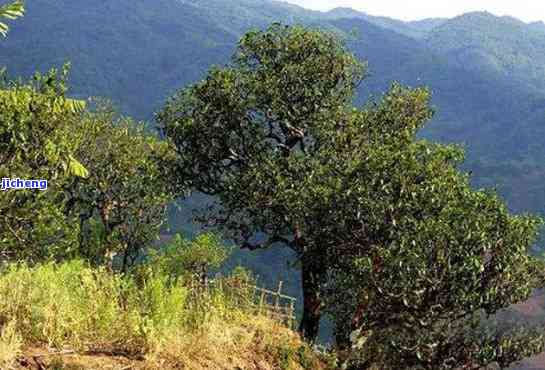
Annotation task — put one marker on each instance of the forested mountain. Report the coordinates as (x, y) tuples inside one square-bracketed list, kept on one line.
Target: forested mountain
[(490, 44), (486, 73)]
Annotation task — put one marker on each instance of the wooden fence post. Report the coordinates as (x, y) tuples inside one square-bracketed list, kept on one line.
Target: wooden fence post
[(291, 314), (261, 300), (277, 303)]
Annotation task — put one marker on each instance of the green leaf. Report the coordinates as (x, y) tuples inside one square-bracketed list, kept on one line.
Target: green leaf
[(76, 168), (76, 106), (10, 11)]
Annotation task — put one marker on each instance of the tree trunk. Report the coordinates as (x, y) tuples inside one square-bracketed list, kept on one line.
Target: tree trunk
[(310, 323), (342, 336)]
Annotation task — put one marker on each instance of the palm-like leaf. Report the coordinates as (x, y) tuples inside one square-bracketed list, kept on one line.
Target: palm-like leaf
[(10, 11)]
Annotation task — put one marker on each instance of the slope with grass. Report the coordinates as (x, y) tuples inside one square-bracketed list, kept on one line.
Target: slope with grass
[(73, 316)]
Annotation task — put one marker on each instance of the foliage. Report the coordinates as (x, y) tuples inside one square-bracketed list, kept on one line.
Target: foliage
[(420, 257), (121, 206), (111, 203), (369, 208), (189, 259), (497, 116), (36, 122), (271, 112), (10, 11)]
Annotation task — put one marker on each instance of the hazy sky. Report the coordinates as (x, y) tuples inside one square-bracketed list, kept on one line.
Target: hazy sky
[(527, 10)]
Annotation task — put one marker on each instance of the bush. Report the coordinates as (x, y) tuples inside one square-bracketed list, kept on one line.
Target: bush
[(188, 259)]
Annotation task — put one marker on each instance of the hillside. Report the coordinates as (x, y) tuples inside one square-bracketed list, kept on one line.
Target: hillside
[(487, 74), (490, 44), (415, 29), (71, 316), (140, 52)]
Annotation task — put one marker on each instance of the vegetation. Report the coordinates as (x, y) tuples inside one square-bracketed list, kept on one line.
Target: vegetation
[(385, 226), (112, 203), (152, 318), (121, 207), (498, 117), (271, 114), (408, 261), (35, 125)]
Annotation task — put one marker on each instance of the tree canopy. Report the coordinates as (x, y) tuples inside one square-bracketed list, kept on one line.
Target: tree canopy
[(370, 209), (107, 177)]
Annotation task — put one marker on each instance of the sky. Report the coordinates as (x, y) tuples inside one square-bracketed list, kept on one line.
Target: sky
[(526, 10)]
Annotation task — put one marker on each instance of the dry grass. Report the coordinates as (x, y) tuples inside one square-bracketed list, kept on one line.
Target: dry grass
[(253, 342), (10, 346), (114, 322)]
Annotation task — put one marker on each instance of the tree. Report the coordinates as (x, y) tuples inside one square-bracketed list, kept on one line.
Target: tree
[(417, 260), (114, 204), (12, 10), (247, 132), (356, 195), (191, 260), (35, 143), (121, 207)]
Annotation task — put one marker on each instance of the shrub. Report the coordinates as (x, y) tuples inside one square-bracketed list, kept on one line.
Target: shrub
[(188, 259)]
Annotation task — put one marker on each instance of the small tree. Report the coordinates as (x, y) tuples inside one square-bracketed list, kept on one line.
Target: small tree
[(121, 207), (36, 121), (113, 205), (189, 259)]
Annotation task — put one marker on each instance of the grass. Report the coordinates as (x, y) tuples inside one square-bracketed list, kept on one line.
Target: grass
[(146, 316), (10, 346)]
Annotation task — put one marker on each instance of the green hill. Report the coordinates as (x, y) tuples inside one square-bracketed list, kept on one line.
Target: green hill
[(139, 52), (488, 44), (487, 73)]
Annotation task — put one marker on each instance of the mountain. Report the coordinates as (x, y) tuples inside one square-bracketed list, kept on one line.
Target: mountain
[(486, 73), (415, 29), (490, 44), (537, 26)]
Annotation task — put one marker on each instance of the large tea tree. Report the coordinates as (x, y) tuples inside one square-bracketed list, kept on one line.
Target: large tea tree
[(249, 131), (275, 138)]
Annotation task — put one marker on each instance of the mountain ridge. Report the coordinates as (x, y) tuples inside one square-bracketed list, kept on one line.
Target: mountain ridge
[(140, 52)]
